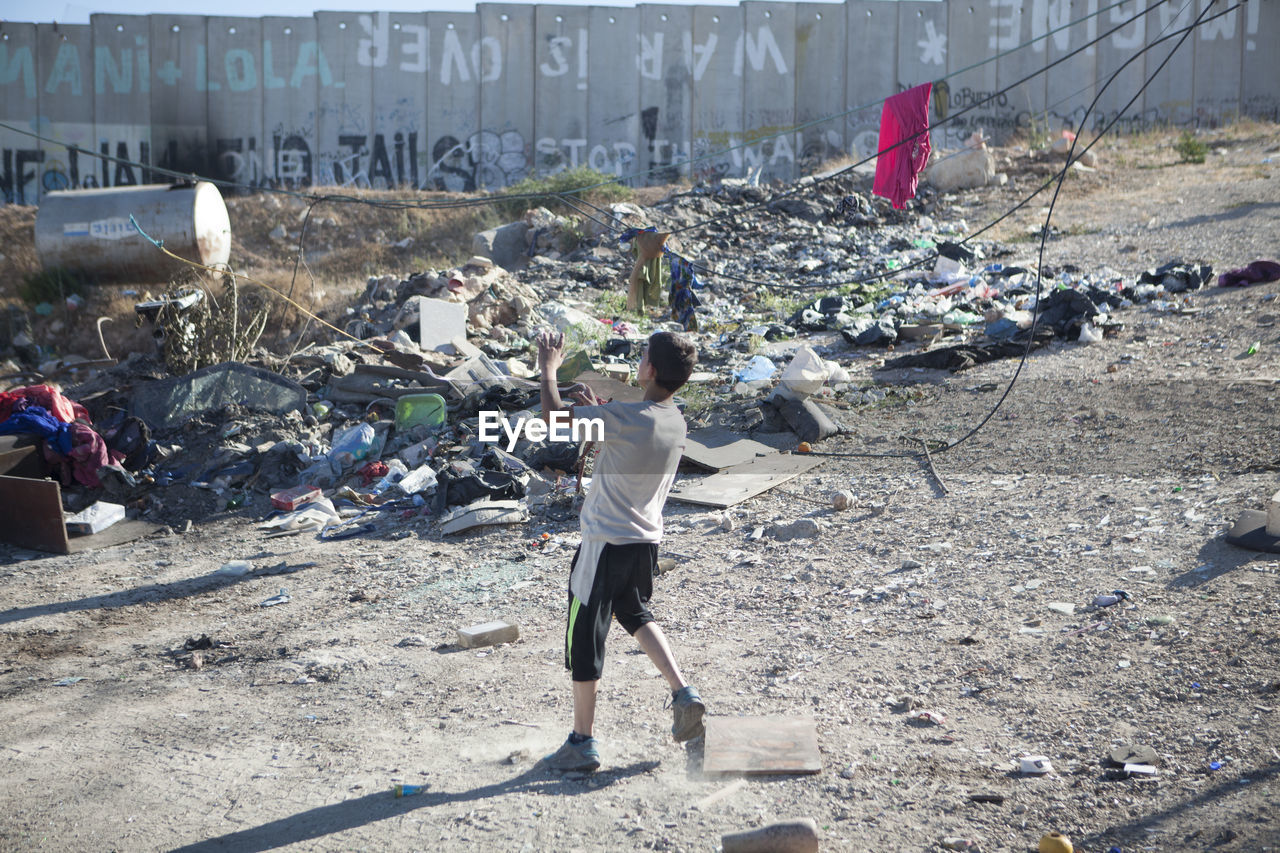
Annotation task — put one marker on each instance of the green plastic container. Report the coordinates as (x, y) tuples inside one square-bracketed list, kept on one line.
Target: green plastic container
[(420, 410)]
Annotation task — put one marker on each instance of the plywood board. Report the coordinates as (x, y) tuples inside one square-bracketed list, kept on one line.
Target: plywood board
[(39, 524), (755, 746), (717, 448), (732, 486)]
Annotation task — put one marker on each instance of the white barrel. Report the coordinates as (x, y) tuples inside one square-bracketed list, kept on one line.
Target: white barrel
[(89, 231)]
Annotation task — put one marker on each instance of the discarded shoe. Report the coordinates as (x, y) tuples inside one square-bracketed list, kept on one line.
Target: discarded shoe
[(571, 757), (686, 711)]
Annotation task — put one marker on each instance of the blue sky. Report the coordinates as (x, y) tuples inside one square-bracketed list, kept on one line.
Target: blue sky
[(41, 11)]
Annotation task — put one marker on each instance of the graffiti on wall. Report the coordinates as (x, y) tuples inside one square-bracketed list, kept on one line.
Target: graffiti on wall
[(348, 139)]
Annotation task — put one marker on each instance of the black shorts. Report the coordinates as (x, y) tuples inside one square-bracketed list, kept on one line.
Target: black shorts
[(623, 585)]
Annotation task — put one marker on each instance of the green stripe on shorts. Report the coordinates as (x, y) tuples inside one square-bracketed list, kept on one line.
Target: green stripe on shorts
[(568, 637)]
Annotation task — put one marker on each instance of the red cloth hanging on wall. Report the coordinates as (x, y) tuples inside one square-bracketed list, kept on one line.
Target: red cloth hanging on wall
[(903, 117)]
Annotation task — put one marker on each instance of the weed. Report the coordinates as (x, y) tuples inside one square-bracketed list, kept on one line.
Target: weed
[(52, 286), (1190, 149), (546, 190)]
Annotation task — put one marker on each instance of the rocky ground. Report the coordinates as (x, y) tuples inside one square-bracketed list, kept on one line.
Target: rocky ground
[(149, 703)]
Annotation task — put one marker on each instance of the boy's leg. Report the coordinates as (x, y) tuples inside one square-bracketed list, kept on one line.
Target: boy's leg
[(654, 643), (584, 707)]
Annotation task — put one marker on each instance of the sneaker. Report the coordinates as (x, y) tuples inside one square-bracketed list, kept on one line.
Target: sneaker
[(571, 757), (686, 711)]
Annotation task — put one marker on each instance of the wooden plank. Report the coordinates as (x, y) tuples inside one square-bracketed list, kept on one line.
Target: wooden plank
[(754, 746), (734, 485), (39, 523)]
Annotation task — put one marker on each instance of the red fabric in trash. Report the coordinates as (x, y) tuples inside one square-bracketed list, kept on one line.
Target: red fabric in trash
[(903, 117), (7, 401), (89, 452), (51, 400)]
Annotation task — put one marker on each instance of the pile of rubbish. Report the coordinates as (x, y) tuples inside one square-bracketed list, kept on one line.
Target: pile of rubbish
[(384, 427)]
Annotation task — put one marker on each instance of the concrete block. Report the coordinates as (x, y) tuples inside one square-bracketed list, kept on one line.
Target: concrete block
[(488, 634), (504, 245), (439, 323)]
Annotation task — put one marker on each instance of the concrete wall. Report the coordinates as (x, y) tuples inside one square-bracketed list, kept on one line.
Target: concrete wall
[(464, 101)]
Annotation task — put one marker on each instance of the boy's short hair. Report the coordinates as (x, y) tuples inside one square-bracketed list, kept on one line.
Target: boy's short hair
[(673, 358)]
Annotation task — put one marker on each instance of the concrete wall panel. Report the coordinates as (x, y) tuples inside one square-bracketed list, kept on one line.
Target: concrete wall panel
[(20, 76), (238, 150), (179, 86), (717, 113), (453, 99), (666, 91), (562, 57), (459, 101), (394, 46), (613, 95), (291, 74), (872, 71), (1113, 51), (1260, 74), (769, 88), (962, 94), (1218, 58), (1169, 97), (506, 93), (122, 98), (1071, 85), (820, 69), (1024, 102), (344, 119), (65, 67)]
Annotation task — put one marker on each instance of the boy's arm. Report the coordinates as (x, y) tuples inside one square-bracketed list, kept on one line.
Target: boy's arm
[(550, 357)]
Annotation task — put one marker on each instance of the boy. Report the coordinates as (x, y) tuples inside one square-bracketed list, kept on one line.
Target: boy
[(612, 573)]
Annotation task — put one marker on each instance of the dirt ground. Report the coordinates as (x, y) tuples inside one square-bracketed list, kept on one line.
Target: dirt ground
[(1115, 465)]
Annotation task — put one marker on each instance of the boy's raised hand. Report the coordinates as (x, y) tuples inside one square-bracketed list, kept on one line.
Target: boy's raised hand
[(550, 351)]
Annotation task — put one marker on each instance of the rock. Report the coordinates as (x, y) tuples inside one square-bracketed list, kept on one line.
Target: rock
[(801, 208), (801, 528), (488, 634), (278, 233), (841, 500), (970, 167), (506, 245), (794, 836)]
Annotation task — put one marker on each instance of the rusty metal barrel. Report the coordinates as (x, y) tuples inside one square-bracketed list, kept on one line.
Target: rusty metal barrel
[(88, 231)]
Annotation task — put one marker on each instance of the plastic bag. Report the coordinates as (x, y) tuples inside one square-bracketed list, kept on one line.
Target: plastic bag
[(804, 376)]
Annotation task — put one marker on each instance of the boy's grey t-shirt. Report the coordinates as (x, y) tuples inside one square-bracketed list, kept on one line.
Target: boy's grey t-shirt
[(634, 470)]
